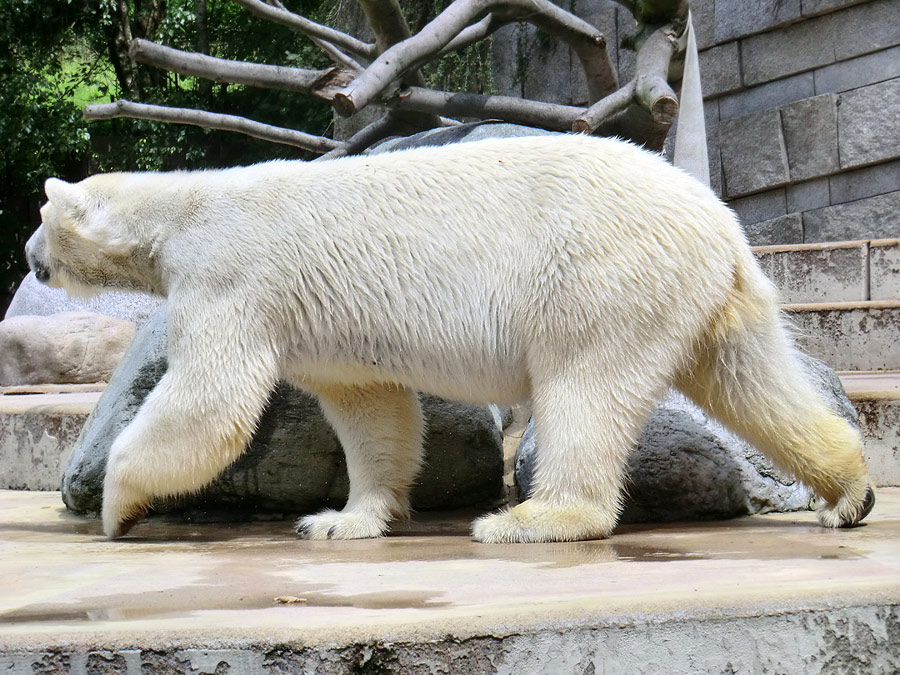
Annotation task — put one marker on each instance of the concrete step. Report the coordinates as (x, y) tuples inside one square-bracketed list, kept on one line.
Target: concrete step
[(849, 335), (764, 594), (876, 396), (848, 271), (38, 429)]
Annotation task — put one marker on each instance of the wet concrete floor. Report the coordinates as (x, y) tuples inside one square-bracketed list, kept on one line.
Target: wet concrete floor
[(166, 583)]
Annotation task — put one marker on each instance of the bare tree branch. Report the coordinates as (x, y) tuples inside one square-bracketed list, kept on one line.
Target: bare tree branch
[(318, 83), (481, 106), (324, 84), (643, 109), (311, 29), (387, 21), (477, 31), (589, 44), (604, 109), (209, 120), (652, 88)]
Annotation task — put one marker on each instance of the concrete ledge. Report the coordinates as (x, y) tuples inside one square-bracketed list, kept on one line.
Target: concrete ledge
[(841, 306), (845, 271), (849, 335), (770, 593), (38, 432), (876, 396)]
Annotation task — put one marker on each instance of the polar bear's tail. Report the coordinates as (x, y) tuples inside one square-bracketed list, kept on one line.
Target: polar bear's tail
[(746, 373)]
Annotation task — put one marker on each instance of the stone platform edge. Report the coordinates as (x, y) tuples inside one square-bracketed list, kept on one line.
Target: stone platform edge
[(801, 639)]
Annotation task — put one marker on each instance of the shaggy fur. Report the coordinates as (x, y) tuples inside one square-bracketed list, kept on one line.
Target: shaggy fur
[(582, 274)]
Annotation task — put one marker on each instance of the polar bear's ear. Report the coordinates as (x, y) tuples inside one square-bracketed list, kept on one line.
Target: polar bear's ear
[(64, 195)]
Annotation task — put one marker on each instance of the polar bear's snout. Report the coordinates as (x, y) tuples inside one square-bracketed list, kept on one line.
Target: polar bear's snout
[(35, 254)]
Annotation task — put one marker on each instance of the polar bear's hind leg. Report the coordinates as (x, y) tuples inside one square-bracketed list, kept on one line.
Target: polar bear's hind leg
[(586, 425), (746, 373), (380, 428)]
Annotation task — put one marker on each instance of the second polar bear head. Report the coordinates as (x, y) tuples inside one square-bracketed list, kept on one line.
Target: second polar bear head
[(81, 246)]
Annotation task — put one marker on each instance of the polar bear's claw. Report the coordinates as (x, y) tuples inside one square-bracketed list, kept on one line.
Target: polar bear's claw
[(332, 524), (115, 527)]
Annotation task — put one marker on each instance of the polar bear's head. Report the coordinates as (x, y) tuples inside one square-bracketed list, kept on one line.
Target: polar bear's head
[(78, 246)]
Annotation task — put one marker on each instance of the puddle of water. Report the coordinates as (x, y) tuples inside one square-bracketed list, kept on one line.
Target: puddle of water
[(170, 605)]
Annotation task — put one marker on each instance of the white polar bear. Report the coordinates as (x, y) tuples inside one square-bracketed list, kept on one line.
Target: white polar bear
[(582, 274)]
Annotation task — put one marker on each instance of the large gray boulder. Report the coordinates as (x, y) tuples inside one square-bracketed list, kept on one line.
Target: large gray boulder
[(37, 299), (294, 462), (65, 348), (461, 133), (687, 466)]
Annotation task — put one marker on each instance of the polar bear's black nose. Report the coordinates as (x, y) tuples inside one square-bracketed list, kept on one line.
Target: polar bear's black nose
[(41, 272), (34, 254)]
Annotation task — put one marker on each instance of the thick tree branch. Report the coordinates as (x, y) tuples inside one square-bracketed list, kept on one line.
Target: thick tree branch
[(384, 126), (387, 21), (352, 46), (208, 120), (589, 44), (324, 84), (605, 108), (476, 32), (652, 88), (480, 106), (319, 83)]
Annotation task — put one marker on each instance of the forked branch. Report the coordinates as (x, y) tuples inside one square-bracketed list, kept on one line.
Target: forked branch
[(649, 89)]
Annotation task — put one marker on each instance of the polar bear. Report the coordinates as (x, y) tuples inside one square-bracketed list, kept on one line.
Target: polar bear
[(584, 275)]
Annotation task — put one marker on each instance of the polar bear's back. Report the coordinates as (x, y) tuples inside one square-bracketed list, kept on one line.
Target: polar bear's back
[(469, 255), (460, 259), (513, 197)]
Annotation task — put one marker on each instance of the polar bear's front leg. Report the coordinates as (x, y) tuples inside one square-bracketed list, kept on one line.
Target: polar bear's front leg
[(195, 422), (380, 428)]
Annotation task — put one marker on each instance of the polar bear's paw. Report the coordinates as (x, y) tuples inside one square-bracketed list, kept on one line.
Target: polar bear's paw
[(533, 521), (851, 508), (330, 524)]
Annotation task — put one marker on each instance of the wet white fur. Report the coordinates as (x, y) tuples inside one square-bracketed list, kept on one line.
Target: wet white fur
[(583, 274)]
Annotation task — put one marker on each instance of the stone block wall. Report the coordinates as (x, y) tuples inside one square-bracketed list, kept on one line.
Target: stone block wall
[(803, 110), (802, 106)]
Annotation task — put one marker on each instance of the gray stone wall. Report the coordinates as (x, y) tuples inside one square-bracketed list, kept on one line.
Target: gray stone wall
[(802, 106), (803, 110)]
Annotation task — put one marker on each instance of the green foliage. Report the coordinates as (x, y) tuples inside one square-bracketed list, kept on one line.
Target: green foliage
[(468, 69), (41, 131)]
